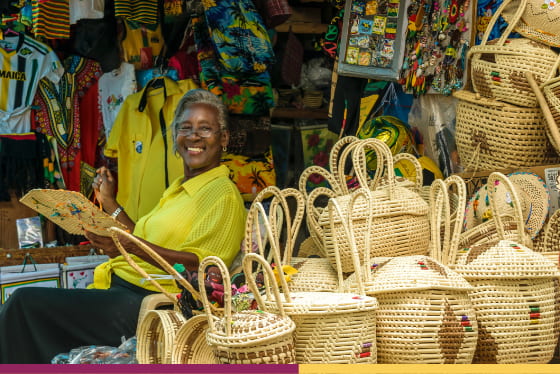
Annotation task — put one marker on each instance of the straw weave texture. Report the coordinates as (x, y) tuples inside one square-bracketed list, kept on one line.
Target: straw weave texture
[(156, 334), (494, 135), (190, 345)]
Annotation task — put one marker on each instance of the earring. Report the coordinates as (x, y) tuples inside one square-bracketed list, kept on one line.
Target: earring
[(224, 148)]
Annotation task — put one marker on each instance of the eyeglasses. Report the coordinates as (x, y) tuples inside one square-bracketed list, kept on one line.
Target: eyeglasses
[(204, 132)]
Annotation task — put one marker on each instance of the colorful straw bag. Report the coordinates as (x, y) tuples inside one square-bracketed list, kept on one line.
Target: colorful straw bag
[(495, 135), (498, 67), (249, 336), (331, 328), (400, 216), (516, 295)]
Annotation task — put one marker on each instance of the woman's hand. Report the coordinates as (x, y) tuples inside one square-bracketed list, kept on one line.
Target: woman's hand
[(104, 187), (105, 243)]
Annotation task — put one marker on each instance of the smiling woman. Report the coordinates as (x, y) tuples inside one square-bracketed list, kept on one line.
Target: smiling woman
[(201, 214)]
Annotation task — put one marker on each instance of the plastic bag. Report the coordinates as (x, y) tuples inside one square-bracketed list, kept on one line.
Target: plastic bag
[(29, 231), (123, 354), (434, 116)]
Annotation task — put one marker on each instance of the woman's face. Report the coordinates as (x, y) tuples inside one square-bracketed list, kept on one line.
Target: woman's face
[(200, 154)]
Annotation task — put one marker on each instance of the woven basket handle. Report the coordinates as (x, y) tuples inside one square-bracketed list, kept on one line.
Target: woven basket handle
[(494, 180), (550, 230), (552, 126), (297, 219), (407, 157), (513, 22), (250, 224), (348, 226), (274, 245), (384, 163), (441, 207), (312, 217), (439, 211), (457, 227), (160, 260), (269, 282), (318, 170), (115, 232), (214, 260), (335, 159)]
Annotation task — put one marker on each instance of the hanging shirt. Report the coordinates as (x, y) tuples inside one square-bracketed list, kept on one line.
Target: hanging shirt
[(59, 113), (142, 44), (51, 19), (145, 11), (86, 9), (114, 88), (21, 69), (137, 142)]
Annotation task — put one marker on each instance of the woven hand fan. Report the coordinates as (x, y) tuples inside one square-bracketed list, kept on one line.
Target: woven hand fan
[(70, 210)]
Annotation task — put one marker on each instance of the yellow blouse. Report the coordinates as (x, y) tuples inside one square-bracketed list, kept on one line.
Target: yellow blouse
[(205, 216)]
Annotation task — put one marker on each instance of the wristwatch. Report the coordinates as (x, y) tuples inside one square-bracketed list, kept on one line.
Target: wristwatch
[(117, 211)]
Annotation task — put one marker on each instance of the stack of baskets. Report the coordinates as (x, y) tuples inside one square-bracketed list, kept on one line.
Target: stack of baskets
[(499, 125), (400, 215), (331, 327), (515, 294)]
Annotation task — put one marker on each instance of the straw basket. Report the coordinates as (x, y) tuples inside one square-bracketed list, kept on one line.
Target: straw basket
[(250, 336), (548, 96), (156, 335), (496, 135), (515, 296), (331, 328), (313, 274), (498, 67), (190, 345), (400, 216), (157, 329), (550, 245)]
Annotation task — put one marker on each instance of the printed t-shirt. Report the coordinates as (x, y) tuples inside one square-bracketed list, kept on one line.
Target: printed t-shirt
[(20, 72)]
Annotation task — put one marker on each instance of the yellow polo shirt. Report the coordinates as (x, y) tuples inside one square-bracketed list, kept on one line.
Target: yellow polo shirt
[(205, 216), (137, 143)]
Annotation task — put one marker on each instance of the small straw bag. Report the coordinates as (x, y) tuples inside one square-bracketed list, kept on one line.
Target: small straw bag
[(313, 274), (400, 216), (156, 329), (494, 135), (515, 295), (330, 327), (425, 314), (249, 336), (498, 68), (190, 346)]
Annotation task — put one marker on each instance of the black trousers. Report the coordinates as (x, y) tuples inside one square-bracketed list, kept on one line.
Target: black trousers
[(37, 323)]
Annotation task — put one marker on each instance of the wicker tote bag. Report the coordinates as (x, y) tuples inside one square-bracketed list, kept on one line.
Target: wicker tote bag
[(400, 215), (494, 135), (425, 314), (331, 328), (311, 274), (156, 329), (249, 336), (515, 295), (498, 67)]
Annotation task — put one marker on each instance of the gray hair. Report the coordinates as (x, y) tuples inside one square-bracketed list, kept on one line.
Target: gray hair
[(199, 96)]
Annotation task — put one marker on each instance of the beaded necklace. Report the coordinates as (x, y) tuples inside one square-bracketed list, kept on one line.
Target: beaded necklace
[(436, 46)]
